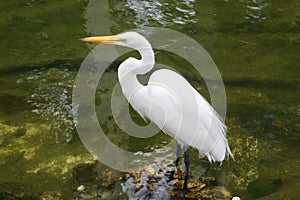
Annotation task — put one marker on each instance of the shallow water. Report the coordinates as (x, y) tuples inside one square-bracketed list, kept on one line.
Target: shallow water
[(255, 45)]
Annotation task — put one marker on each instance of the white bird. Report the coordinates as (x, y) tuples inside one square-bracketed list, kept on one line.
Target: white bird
[(170, 102)]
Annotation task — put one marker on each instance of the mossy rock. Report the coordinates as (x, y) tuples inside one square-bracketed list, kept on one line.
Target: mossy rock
[(263, 187), (16, 190)]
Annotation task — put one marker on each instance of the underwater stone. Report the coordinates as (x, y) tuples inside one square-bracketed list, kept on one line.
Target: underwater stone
[(153, 183), (80, 188), (84, 173), (20, 132), (16, 190), (263, 187), (51, 196)]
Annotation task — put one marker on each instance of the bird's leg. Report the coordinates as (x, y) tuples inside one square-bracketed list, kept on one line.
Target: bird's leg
[(187, 165), (178, 155), (174, 168)]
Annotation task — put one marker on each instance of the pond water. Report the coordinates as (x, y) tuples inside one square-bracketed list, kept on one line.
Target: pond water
[(254, 43)]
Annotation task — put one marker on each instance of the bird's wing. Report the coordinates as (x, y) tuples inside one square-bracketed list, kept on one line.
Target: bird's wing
[(191, 120)]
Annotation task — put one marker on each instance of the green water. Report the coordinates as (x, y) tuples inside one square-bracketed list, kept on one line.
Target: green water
[(255, 44)]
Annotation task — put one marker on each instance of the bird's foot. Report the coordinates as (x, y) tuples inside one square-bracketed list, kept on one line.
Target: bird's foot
[(170, 175), (181, 193)]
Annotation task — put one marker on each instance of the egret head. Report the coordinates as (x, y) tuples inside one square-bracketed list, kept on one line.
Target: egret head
[(128, 39)]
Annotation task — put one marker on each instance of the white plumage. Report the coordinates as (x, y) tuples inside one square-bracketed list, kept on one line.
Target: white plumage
[(169, 101)]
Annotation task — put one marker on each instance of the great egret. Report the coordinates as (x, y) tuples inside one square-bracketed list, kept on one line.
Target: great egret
[(170, 102)]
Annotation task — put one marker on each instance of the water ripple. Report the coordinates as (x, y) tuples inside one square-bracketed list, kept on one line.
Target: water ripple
[(148, 13), (51, 97), (254, 9)]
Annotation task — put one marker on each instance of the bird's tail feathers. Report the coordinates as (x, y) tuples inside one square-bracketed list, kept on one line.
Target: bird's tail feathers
[(221, 148)]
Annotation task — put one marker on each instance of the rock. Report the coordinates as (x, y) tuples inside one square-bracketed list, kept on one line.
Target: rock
[(80, 188), (84, 173), (153, 183), (108, 177), (263, 187), (51, 196), (20, 132), (16, 190), (203, 188)]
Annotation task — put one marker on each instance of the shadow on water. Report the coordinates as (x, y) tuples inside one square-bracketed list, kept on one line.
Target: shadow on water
[(254, 43)]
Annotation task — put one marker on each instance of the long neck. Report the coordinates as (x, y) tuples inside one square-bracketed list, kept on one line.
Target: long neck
[(147, 60), (128, 70)]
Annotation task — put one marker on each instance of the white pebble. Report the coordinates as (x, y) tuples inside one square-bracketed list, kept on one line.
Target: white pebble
[(80, 188), (235, 198)]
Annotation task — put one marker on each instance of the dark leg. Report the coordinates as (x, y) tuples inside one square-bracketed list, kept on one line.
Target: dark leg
[(178, 155), (187, 165)]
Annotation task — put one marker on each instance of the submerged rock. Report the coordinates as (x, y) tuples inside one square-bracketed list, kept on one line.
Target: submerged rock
[(51, 196), (16, 190), (153, 183), (20, 132), (84, 173), (263, 187)]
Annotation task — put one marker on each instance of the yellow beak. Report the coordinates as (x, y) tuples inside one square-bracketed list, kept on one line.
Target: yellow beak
[(103, 39)]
